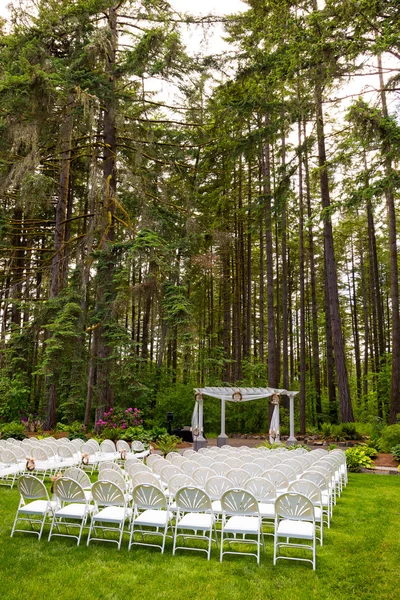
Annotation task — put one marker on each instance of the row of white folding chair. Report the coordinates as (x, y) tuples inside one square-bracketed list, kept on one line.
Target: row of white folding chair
[(194, 511), (10, 467)]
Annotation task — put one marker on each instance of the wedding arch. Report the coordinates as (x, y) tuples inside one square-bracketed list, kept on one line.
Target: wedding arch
[(239, 394)]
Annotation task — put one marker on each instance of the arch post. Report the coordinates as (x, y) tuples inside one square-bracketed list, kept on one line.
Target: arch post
[(222, 438), (291, 439), (199, 440)]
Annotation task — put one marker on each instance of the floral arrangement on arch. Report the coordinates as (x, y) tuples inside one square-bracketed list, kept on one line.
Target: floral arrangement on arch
[(119, 418)]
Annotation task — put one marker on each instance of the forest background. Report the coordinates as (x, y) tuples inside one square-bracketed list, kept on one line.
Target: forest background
[(173, 217)]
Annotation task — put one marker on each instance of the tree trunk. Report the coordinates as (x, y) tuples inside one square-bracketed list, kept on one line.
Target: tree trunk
[(346, 410)]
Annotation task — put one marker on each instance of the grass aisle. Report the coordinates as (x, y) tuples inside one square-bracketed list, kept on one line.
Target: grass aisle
[(359, 560)]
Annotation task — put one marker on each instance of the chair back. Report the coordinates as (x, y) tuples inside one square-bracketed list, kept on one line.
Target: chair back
[(193, 499), (31, 488), (79, 476), (239, 502), (262, 489), (294, 506), (147, 496), (68, 490), (107, 493), (217, 485)]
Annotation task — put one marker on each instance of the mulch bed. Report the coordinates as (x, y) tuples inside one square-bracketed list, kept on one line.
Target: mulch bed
[(385, 460)]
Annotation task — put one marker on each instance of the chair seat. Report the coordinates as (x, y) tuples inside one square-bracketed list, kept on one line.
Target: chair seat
[(296, 529), (239, 524), (196, 521), (267, 511), (11, 470), (113, 514), (74, 511), (38, 507), (317, 513), (153, 518), (325, 498), (67, 462), (216, 506)]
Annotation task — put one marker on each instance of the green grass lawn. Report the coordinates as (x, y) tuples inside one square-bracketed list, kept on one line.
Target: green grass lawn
[(359, 559)]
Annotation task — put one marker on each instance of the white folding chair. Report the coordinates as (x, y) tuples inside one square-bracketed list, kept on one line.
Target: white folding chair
[(265, 493), (73, 511), (313, 493), (194, 513), (238, 477), (150, 512), (240, 516), (295, 519), (34, 505), (110, 512)]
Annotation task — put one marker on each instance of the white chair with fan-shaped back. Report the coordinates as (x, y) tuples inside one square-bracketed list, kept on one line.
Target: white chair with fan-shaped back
[(240, 516), (150, 515), (189, 466), (132, 469), (167, 472), (287, 470), (145, 477), (110, 511), (265, 493), (194, 513), (253, 469), (151, 459), (215, 487), (234, 462), (34, 505), (201, 474), (313, 492), (189, 453), (221, 468), (295, 519), (73, 511), (238, 477), (279, 480)]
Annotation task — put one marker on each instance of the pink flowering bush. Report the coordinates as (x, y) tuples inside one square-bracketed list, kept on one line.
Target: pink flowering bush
[(119, 418)]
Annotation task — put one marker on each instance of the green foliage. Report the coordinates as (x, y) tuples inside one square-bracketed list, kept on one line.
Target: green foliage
[(111, 433), (332, 447), (326, 430), (295, 446), (273, 446), (12, 430), (167, 443), (390, 436), (349, 431), (395, 452), (136, 433), (368, 450), (357, 459)]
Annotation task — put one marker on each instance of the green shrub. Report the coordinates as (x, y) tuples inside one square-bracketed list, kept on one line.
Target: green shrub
[(350, 431), (395, 451), (390, 436), (13, 430), (332, 447), (167, 443), (337, 433), (111, 433), (356, 459), (295, 446), (136, 433), (61, 427), (273, 446), (326, 430), (369, 450), (156, 432)]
